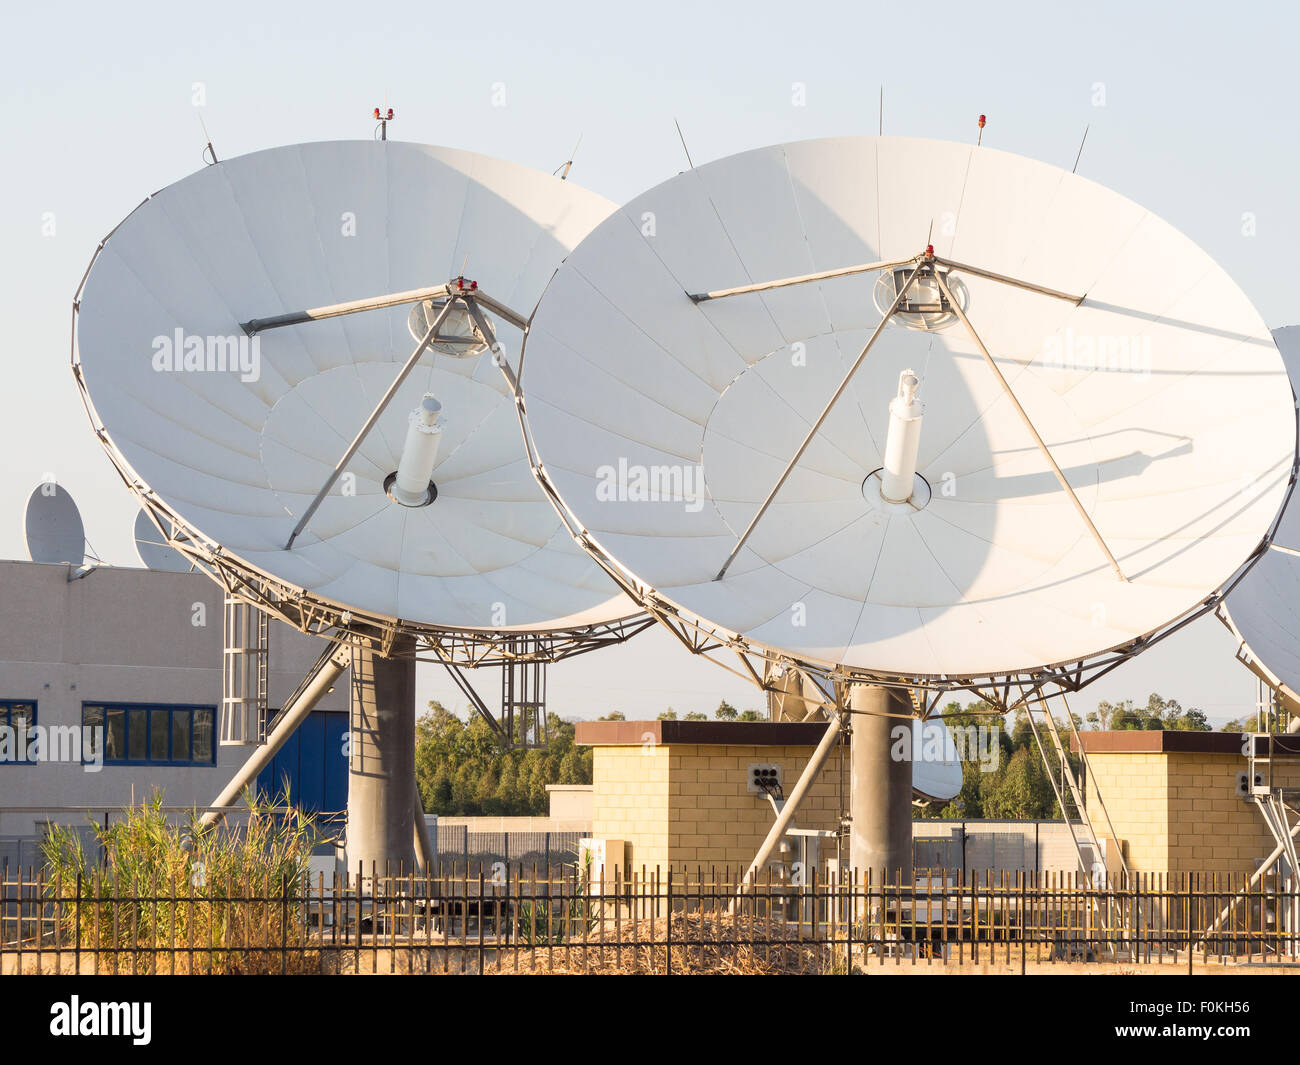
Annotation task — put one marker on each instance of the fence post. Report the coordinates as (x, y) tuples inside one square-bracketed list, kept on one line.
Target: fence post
[(284, 924), (668, 928), (1023, 923), (77, 948)]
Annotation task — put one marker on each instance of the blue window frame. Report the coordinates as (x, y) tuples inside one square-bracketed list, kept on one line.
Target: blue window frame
[(18, 715), (149, 733)]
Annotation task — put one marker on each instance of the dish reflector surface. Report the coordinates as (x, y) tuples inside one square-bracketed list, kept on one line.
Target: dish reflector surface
[(154, 551), (663, 423), (52, 526), (936, 767), (1264, 608), (237, 435)]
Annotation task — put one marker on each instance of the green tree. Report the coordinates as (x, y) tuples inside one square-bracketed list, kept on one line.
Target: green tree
[(1019, 790), (1158, 713), (725, 711), (461, 768)]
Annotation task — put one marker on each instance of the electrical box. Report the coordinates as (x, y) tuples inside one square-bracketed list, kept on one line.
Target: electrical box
[(762, 777), (1246, 788), (604, 861)]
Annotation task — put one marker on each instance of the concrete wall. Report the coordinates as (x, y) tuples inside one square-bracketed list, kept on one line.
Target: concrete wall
[(570, 802), (120, 635)]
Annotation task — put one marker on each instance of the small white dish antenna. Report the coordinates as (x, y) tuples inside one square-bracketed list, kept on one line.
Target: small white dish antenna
[(936, 769), (154, 551), (53, 527)]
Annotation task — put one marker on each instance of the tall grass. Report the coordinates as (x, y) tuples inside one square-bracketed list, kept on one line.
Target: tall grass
[(233, 895)]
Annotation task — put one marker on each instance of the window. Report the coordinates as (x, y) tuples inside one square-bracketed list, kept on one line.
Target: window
[(17, 719), (135, 734)]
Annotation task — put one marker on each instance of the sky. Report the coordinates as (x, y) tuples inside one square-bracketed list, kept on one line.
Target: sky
[(1188, 108)]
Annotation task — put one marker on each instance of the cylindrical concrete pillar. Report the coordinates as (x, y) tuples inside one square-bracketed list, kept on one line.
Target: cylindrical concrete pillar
[(880, 796), (381, 768)]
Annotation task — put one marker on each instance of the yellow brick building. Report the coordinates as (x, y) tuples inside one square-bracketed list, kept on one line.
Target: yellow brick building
[(1173, 798), (677, 791)]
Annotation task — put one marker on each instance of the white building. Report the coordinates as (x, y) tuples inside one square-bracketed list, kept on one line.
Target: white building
[(138, 652)]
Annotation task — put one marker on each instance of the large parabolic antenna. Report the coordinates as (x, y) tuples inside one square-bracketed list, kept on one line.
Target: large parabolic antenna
[(906, 415), (270, 440), (1107, 430), (1264, 608), (301, 362)]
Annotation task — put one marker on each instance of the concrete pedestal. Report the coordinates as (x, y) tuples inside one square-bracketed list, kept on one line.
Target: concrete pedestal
[(381, 769), (880, 803)]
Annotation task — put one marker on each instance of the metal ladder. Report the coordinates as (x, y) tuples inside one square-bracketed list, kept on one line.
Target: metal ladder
[(263, 678), (1070, 798), (1069, 795), (245, 672)]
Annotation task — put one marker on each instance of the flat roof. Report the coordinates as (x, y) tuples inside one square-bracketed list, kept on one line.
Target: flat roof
[(1153, 741), (738, 733)]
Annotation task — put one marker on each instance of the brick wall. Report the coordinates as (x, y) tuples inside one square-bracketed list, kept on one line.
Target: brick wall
[(686, 805), (1134, 788), (1172, 798)]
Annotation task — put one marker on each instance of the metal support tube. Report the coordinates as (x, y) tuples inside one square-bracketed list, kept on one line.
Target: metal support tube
[(335, 310), (326, 672), (1014, 282), (423, 845), (1024, 417), (1255, 878), (803, 279), (387, 397), (821, 418), (793, 801), (490, 339)]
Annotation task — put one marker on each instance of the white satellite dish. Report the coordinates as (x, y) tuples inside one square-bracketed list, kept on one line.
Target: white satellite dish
[(235, 435), (153, 549), (53, 528), (1119, 448), (1264, 608), (936, 769)]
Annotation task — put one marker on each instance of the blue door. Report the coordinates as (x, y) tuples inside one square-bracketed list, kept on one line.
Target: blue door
[(311, 765)]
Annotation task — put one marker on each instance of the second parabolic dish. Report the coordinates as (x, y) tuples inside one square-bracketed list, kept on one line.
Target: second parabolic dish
[(663, 423), (237, 434), (1264, 609)]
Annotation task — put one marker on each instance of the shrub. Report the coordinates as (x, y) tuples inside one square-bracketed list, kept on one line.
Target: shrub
[(163, 890)]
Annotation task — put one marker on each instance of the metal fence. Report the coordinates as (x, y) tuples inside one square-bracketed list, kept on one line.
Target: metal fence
[(673, 922), (546, 850), (1010, 846)]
